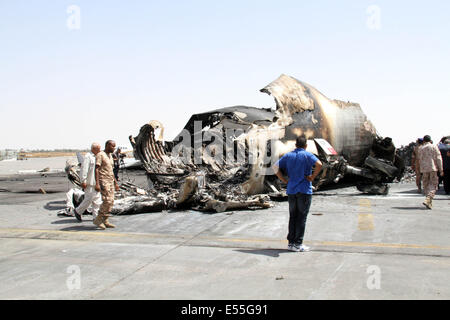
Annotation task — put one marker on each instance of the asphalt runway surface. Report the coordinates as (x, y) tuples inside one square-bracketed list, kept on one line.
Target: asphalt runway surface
[(362, 247)]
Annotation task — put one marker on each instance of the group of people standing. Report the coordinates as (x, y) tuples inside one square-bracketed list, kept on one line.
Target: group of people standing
[(432, 165), (99, 183), (299, 168)]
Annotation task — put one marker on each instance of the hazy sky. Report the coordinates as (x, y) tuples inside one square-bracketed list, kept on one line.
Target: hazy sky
[(64, 84)]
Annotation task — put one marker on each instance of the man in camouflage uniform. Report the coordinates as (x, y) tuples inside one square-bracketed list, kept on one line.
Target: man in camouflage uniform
[(415, 164), (106, 183), (430, 161)]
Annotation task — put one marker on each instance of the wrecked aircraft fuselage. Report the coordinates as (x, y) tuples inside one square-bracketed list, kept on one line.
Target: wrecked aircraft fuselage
[(222, 160), (234, 148), (301, 109)]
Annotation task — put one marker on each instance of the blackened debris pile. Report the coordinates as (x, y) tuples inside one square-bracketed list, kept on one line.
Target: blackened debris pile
[(223, 159)]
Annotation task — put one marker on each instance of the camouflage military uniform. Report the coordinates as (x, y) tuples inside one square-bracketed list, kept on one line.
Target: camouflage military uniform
[(430, 161), (106, 179)]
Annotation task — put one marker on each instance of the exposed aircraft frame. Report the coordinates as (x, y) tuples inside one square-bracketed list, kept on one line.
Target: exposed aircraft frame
[(222, 159)]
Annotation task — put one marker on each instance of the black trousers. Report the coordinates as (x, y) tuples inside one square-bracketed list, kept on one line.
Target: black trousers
[(447, 181), (116, 172), (299, 205)]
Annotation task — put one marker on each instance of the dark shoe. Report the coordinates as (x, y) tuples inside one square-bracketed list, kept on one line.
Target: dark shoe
[(77, 215)]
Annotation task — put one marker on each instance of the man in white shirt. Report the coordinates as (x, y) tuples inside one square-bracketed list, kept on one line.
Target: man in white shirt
[(92, 198), (73, 197)]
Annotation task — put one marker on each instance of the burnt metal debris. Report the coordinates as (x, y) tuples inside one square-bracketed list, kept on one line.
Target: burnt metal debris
[(222, 160)]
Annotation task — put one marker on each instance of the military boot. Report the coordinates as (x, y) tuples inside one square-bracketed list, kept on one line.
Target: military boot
[(107, 223), (98, 221), (427, 203)]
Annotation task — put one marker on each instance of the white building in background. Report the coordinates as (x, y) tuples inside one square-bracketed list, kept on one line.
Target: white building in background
[(7, 154)]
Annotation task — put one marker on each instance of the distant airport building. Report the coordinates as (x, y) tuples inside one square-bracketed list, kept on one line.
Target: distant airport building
[(8, 154)]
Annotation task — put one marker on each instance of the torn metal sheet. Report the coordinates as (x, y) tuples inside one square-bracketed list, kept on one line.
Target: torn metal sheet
[(232, 147), (72, 170), (303, 110), (222, 159)]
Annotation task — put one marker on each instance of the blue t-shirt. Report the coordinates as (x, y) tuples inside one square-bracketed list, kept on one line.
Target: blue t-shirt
[(298, 165)]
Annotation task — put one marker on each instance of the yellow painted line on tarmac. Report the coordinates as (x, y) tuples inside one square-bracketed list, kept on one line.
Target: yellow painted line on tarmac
[(380, 245), (95, 233), (365, 203), (340, 243), (100, 234), (365, 222), (365, 218)]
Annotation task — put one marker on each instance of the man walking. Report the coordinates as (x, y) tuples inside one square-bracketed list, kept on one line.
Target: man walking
[(92, 197), (298, 166), (444, 148), (440, 145), (106, 183), (430, 161), (415, 164), (117, 155)]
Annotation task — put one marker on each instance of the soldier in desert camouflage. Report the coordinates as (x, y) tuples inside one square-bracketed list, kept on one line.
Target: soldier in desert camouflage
[(430, 162), (106, 183)]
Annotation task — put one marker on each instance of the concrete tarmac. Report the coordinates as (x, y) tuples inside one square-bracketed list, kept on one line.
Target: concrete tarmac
[(362, 247)]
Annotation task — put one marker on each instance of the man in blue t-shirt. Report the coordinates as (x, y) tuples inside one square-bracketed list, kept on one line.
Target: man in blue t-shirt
[(298, 166)]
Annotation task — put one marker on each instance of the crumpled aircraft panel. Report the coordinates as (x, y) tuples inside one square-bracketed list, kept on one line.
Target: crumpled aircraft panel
[(219, 161), (306, 111)]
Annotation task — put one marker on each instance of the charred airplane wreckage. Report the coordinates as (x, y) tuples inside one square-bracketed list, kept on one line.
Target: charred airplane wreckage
[(222, 160)]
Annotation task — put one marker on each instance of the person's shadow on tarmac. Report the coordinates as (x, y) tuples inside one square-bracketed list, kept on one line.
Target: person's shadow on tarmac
[(76, 225), (275, 253), (80, 228), (66, 221), (55, 205)]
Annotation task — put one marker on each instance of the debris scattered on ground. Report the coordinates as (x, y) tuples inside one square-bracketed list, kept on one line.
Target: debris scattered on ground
[(222, 160), (405, 152), (409, 176)]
